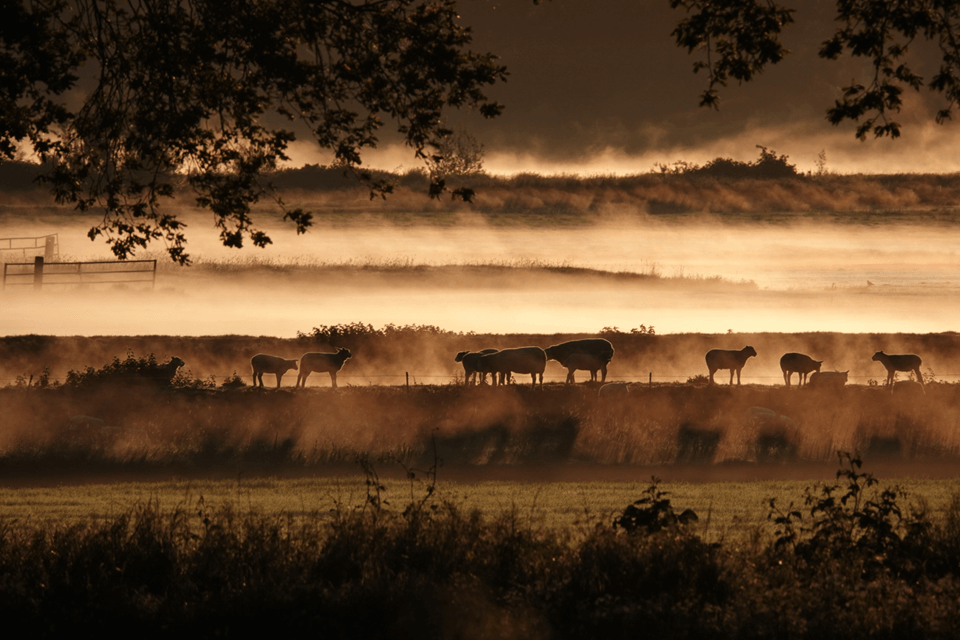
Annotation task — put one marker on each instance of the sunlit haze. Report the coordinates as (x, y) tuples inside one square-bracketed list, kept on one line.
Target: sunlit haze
[(712, 278)]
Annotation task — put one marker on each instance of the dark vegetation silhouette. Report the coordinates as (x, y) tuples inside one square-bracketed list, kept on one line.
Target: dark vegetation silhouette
[(201, 94), (854, 559), (768, 166), (738, 40), (223, 76)]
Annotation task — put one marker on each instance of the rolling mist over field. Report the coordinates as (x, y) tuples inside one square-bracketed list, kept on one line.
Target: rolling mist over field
[(695, 274)]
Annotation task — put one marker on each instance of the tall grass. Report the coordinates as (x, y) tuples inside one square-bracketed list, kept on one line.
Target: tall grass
[(198, 429), (851, 561)]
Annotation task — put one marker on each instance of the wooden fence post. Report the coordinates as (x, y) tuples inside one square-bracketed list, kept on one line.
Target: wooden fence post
[(38, 272), (48, 247)]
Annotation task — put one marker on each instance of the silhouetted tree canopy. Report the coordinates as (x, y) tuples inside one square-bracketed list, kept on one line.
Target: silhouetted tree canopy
[(739, 38), (125, 99)]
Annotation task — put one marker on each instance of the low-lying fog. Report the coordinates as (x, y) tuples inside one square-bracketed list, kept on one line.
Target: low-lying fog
[(849, 278)]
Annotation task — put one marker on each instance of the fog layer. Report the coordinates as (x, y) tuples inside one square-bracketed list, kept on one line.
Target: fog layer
[(702, 277)]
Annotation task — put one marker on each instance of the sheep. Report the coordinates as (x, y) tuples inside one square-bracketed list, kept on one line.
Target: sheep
[(827, 380), (469, 360), (902, 362), (614, 390), (733, 360), (583, 362), (263, 363), (530, 360), (597, 347), (163, 374), (329, 362), (799, 363)]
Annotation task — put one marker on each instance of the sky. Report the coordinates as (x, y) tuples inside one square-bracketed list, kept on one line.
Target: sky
[(601, 87)]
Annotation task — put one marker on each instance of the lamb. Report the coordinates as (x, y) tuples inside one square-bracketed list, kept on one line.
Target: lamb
[(733, 360), (530, 360), (263, 363), (799, 363), (614, 390), (827, 380), (470, 360), (903, 362), (163, 374), (329, 362), (584, 362), (597, 347)]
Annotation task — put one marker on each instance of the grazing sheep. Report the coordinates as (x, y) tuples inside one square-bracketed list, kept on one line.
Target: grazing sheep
[(470, 360), (733, 360), (827, 380), (614, 390), (599, 348), (329, 362), (799, 363), (584, 362), (530, 360), (903, 362), (764, 418), (163, 374), (263, 363)]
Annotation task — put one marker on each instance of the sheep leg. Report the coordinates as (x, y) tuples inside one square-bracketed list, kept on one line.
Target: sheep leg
[(279, 375), (603, 372), (333, 378), (570, 377)]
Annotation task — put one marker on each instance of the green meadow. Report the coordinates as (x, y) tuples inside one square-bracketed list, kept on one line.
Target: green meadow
[(727, 510)]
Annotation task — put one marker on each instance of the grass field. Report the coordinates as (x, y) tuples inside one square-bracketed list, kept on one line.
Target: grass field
[(728, 510)]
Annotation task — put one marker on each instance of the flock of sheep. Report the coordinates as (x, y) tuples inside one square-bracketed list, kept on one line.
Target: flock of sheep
[(591, 355), (803, 365), (583, 355)]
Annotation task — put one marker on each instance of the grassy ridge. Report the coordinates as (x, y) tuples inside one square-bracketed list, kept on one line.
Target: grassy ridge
[(573, 199), (383, 355), (128, 430)]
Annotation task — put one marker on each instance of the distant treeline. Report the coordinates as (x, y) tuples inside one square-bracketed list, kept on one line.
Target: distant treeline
[(722, 186)]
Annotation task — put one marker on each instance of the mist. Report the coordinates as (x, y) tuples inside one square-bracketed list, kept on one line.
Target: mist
[(701, 275)]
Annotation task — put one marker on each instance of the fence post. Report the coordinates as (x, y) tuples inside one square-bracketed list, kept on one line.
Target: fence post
[(38, 272), (48, 246)]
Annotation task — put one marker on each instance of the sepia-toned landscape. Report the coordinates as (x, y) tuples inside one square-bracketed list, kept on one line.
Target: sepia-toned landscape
[(559, 320)]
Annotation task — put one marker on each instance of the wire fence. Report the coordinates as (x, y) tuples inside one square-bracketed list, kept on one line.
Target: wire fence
[(47, 247), (318, 379), (45, 274)]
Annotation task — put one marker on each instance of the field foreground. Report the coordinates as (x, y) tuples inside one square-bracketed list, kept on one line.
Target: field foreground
[(850, 557)]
